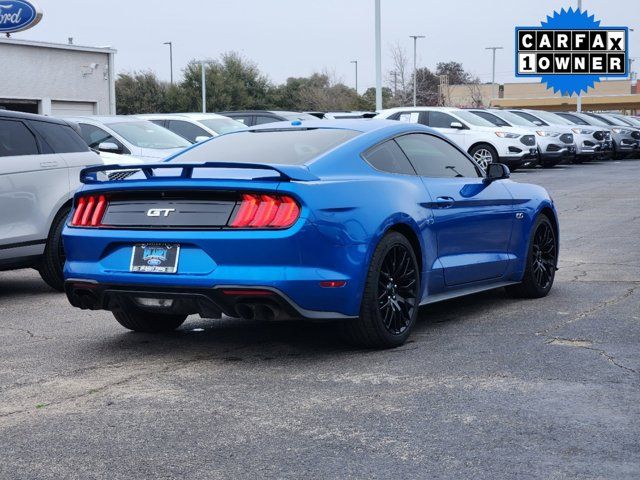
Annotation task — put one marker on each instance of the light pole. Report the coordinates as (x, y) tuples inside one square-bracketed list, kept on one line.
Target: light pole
[(378, 57), (204, 87), (356, 63), (415, 68), (493, 70), (579, 100), (170, 58)]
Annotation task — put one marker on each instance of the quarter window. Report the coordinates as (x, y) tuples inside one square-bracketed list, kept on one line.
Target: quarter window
[(388, 157), (16, 139), (61, 138), (433, 157)]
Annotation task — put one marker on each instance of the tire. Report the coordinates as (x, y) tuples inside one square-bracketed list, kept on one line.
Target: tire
[(385, 322), (148, 322), (484, 154), (52, 262), (542, 259)]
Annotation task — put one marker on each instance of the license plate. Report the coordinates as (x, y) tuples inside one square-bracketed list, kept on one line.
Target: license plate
[(155, 258)]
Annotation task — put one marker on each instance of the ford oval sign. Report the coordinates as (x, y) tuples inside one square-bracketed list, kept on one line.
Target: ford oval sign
[(18, 15)]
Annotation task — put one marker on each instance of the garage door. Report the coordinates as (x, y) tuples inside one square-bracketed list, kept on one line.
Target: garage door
[(72, 109)]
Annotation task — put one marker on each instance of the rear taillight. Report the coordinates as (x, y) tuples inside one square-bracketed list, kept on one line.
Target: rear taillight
[(265, 211), (89, 211)]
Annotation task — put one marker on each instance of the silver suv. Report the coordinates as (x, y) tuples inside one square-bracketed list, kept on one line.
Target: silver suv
[(40, 163)]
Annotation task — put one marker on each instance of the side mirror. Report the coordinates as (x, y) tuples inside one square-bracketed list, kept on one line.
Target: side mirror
[(201, 138), (497, 171), (537, 122), (457, 125), (109, 147)]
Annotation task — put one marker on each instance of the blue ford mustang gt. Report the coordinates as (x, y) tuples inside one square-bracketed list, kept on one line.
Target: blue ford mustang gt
[(357, 220)]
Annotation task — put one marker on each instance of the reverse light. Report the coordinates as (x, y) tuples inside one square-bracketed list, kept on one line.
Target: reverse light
[(265, 211), (89, 211), (507, 135)]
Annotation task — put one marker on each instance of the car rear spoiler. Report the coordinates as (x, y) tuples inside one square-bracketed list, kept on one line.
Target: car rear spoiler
[(287, 173)]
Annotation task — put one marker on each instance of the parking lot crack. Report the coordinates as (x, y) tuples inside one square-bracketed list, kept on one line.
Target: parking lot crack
[(597, 307), (26, 331), (588, 345)]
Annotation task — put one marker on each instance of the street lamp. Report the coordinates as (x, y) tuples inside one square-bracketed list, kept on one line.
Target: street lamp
[(170, 58), (378, 57), (356, 63), (204, 87), (415, 68), (493, 70), (579, 100)]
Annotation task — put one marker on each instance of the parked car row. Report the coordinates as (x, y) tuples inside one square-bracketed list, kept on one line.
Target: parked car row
[(493, 135)]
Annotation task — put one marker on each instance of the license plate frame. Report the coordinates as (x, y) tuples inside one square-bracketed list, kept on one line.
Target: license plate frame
[(154, 257)]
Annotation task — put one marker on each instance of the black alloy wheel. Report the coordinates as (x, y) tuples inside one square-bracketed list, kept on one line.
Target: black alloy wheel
[(397, 289)]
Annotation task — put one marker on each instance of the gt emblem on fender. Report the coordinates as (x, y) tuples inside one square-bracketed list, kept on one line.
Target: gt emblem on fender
[(160, 212), (519, 215)]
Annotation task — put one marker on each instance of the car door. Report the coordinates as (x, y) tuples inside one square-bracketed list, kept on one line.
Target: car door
[(442, 121), (473, 219), (32, 180)]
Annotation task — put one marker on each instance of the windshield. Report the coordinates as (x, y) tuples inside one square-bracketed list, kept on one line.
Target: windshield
[(515, 119), (287, 147), (473, 119), (297, 116), (634, 122), (593, 121), (145, 134), (494, 119), (223, 125), (552, 118), (574, 119)]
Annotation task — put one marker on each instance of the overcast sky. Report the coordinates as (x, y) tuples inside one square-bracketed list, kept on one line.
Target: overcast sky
[(297, 37)]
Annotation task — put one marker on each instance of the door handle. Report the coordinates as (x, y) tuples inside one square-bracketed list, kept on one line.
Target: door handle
[(444, 202), (49, 164)]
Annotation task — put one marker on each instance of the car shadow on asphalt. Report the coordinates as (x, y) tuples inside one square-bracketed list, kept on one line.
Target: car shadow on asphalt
[(13, 285), (232, 340)]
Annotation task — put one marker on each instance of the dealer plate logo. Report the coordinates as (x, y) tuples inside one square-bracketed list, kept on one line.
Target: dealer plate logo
[(570, 51)]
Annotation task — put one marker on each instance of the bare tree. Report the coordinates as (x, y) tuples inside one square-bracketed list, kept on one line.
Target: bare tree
[(400, 78), (475, 94)]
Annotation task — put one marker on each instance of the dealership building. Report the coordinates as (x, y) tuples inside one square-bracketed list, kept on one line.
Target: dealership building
[(56, 79)]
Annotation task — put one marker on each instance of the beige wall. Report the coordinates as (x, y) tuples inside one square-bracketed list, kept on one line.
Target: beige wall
[(606, 95)]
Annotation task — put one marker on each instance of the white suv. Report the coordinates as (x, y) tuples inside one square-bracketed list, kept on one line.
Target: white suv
[(40, 163), (485, 142)]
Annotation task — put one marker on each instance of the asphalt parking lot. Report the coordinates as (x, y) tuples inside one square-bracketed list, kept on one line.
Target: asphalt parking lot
[(487, 387)]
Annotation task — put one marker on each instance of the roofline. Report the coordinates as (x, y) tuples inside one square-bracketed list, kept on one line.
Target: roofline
[(56, 46)]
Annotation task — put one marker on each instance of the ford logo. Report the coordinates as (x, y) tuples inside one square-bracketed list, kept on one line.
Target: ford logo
[(18, 15)]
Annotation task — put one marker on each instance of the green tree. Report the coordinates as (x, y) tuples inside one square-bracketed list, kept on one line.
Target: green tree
[(139, 92)]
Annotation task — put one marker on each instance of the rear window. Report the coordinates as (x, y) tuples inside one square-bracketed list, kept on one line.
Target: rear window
[(287, 147)]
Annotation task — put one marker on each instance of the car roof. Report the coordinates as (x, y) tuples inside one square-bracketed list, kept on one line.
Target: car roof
[(31, 116), (105, 119), (257, 112), (363, 125), (190, 115)]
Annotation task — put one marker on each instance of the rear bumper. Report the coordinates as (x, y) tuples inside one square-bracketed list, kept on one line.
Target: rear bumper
[(290, 262), (263, 302)]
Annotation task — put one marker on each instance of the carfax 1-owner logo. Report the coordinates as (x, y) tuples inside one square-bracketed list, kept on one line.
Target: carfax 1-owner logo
[(571, 51)]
